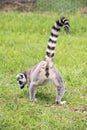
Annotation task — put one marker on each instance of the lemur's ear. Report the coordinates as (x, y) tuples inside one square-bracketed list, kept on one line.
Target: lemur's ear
[(20, 76)]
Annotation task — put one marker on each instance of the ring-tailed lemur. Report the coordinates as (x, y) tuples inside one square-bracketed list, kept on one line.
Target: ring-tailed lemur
[(45, 70)]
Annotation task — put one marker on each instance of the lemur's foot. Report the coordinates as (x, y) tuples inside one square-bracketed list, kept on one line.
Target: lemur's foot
[(61, 102), (33, 100)]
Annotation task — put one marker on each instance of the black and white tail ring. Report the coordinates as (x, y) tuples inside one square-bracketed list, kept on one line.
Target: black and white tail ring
[(54, 36)]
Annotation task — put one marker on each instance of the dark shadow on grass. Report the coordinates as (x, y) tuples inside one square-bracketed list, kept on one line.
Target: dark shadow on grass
[(40, 95), (43, 96), (46, 97)]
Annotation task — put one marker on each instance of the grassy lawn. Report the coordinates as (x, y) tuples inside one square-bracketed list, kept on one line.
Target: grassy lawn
[(23, 41)]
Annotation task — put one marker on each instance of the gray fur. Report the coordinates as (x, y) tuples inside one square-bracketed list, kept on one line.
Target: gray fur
[(45, 70), (36, 76)]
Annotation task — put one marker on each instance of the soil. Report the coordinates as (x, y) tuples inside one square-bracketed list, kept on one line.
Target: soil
[(20, 5)]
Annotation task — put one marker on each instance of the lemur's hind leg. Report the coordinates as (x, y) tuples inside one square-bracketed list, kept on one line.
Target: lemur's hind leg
[(60, 88), (37, 78)]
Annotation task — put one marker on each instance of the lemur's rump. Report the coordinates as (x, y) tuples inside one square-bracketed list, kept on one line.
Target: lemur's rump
[(45, 70)]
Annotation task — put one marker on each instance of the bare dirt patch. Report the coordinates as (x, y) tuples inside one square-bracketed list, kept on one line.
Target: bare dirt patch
[(20, 5), (83, 10)]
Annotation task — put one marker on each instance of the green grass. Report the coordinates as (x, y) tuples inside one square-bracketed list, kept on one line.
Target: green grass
[(23, 41)]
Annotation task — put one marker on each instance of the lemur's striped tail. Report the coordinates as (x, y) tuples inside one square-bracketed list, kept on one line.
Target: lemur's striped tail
[(54, 35)]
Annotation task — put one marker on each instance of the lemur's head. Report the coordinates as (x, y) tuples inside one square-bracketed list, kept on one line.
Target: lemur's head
[(21, 79)]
